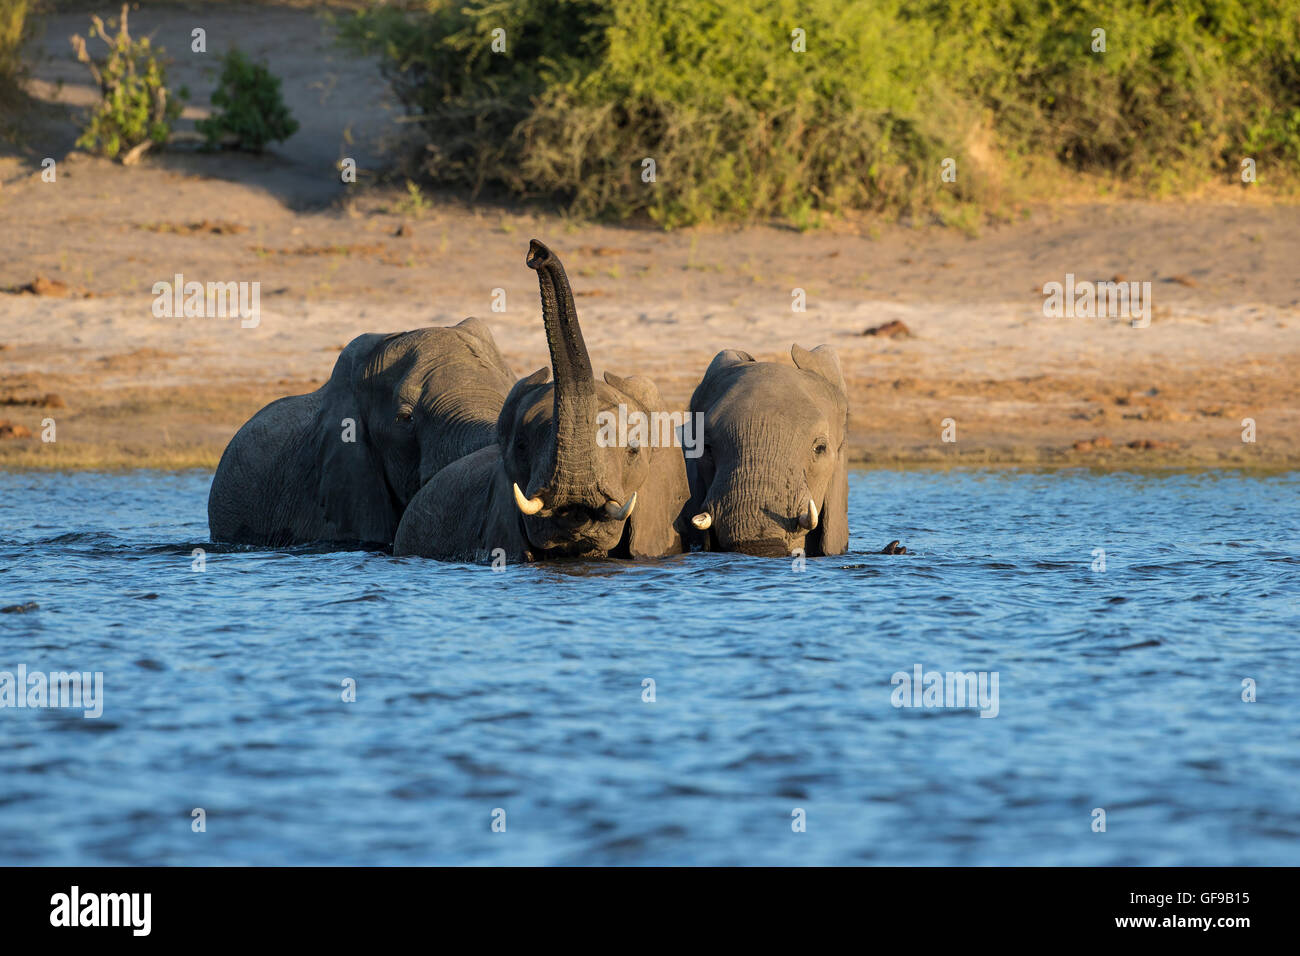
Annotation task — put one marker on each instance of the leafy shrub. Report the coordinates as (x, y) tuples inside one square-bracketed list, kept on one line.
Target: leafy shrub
[(15, 25), (135, 111), (252, 112), (740, 126)]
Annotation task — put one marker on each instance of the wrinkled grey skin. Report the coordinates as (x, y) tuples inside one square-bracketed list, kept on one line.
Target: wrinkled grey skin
[(547, 446), (419, 400), (774, 440)]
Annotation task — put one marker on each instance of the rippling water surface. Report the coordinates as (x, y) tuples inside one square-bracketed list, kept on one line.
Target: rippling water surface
[(522, 690)]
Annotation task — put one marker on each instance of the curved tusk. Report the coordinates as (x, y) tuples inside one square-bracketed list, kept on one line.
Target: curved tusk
[(529, 506), (619, 512), (703, 521), (809, 518)]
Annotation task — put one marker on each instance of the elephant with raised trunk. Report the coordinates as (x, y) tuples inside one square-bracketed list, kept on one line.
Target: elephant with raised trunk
[(773, 477), (341, 463), (551, 487)]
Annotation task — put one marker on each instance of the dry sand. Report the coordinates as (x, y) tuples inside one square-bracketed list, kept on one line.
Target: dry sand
[(135, 390)]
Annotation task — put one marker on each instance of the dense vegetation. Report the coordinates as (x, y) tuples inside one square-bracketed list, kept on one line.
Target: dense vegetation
[(740, 125)]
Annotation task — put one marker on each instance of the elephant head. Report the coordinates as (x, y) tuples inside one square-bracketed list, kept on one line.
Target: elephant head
[(396, 410), (773, 476), (577, 494)]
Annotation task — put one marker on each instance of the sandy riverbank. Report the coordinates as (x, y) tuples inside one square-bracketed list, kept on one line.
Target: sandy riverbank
[(1022, 388)]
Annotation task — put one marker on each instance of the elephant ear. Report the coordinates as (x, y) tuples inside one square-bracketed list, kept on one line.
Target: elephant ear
[(656, 526), (710, 387), (823, 361), (835, 510), (510, 408), (477, 328), (351, 489), (727, 358), (697, 492), (659, 523), (638, 387), (481, 342)]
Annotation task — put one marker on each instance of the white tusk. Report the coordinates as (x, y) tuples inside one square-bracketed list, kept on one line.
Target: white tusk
[(809, 518), (619, 512), (703, 521), (529, 506)]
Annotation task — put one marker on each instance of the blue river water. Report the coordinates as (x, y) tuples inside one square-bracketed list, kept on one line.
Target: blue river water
[(505, 717)]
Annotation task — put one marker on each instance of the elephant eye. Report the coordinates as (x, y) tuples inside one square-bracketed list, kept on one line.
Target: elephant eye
[(404, 413), (820, 447)]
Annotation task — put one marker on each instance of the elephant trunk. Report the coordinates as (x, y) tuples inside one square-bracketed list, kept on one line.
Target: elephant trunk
[(758, 511), (570, 472)]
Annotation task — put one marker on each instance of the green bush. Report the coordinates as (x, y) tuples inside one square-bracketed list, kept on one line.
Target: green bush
[(740, 126), (15, 25), (251, 111), (136, 110)]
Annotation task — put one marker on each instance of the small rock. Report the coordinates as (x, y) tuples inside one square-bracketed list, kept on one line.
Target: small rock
[(1184, 280), (892, 329), (51, 400), (404, 231), (43, 286), (1101, 441), (10, 430), (1147, 444), (218, 228), (19, 608)]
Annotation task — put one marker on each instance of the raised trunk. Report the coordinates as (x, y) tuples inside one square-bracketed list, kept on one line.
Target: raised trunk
[(570, 472)]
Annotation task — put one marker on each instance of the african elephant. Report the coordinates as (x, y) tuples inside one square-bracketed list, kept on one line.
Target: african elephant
[(551, 486), (773, 477), (341, 463)]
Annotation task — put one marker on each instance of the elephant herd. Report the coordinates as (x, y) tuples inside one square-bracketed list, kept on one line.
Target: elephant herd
[(425, 442)]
